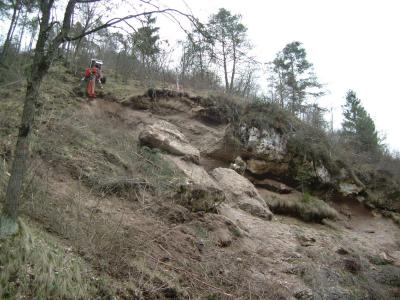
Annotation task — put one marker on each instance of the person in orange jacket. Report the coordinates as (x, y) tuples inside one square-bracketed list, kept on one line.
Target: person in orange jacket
[(91, 75)]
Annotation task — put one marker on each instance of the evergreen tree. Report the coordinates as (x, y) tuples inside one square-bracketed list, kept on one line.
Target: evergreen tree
[(145, 42), (295, 78), (196, 59), (358, 127), (229, 41)]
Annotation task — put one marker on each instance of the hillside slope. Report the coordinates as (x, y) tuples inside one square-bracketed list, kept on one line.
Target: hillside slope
[(156, 213)]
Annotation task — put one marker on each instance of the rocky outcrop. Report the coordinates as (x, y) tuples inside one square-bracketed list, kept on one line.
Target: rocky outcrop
[(266, 150), (242, 192), (267, 143), (166, 136)]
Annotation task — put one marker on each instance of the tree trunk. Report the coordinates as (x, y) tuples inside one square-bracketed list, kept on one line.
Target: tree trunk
[(7, 42), (75, 59), (225, 67), (282, 101), (294, 94), (22, 150), (40, 66), (233, 68)]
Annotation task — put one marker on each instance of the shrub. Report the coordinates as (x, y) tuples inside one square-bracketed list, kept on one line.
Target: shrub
[(221, 109), (264, 115)]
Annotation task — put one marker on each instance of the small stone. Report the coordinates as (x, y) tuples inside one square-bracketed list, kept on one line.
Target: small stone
[(165, 258), (238, 165), (306, 241), (304, 295), (200, 245), (224, 239), (296, 255), (352, 265), (342, 251), (170, 293)]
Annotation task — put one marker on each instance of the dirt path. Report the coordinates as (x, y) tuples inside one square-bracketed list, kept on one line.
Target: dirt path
[(371, 232)]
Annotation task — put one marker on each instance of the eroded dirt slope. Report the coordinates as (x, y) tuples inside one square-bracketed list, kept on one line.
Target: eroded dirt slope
[(355, 257)]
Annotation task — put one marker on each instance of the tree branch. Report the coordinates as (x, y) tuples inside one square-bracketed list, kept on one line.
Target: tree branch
[(114, 21)]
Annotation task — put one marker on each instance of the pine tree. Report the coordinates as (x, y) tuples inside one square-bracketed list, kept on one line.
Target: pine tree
[(295, 78), (230, 44), (145, 41), (358, 127)]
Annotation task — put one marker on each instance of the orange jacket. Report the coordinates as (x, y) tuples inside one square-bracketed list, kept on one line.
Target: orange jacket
[(91, 71)]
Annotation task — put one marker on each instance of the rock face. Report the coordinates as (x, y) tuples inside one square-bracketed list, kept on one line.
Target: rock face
[(266, 150), (166, 136), (242, 192), (269, 144)]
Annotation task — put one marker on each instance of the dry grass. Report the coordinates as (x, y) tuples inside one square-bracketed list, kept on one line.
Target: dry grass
[(33, 267), (305, 207), (221, 108)]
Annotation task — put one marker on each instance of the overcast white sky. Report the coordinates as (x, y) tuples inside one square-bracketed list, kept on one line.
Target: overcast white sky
[(353, 44)]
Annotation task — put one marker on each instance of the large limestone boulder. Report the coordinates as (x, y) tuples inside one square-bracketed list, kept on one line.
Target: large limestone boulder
[(225, 147), (349, 189), (199, 191), (323, 174), (236, 184), (194, 173), (242, 192), (166, 136)]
